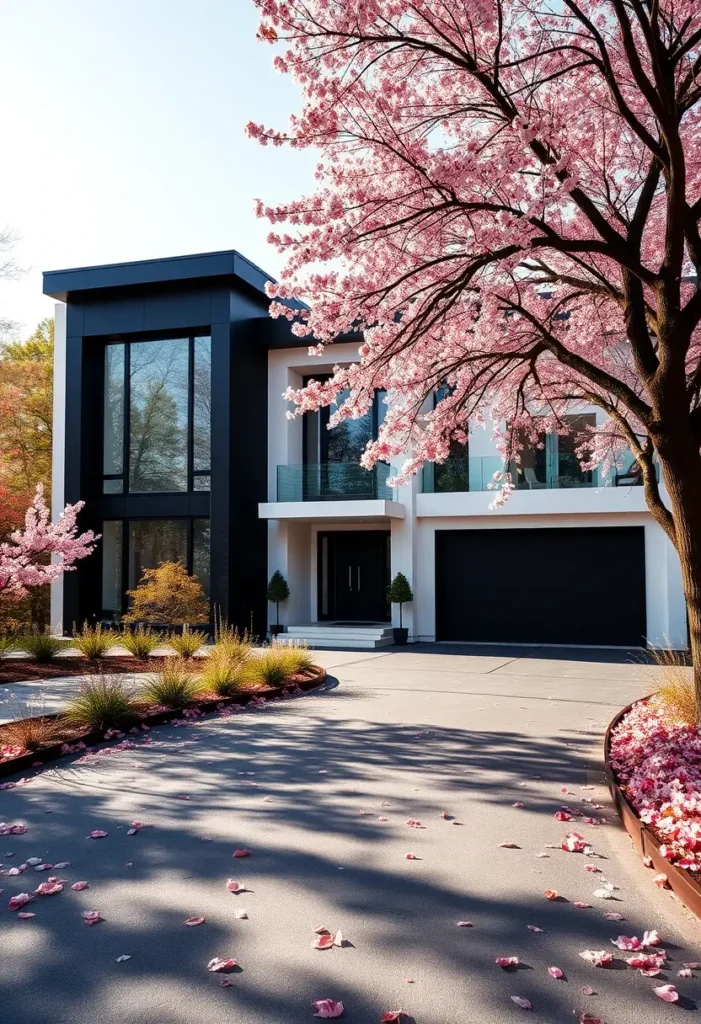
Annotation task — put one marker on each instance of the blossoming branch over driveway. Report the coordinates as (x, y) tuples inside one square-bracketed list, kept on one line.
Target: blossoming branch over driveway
[(478, 752)]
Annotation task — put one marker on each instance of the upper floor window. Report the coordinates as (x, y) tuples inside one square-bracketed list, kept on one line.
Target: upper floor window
[(157, 416)]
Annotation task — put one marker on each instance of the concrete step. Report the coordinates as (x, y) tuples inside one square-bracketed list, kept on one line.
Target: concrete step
[(320, 635), (334, 644)]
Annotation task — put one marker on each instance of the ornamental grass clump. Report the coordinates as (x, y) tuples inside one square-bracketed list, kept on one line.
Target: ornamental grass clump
[(224, 674), (41, 645), (8, 644), (272, 667), (173, 685), (140, 641), (187, 643), (676, 695), (103, 703), (296, 656), (29, 733), (93, 642)]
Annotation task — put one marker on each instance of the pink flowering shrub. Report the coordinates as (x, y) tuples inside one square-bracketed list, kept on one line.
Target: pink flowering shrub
[(658, 766)]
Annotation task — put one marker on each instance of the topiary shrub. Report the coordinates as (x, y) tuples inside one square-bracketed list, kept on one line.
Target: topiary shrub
[(399, 593), (168, 594), (277, 592)]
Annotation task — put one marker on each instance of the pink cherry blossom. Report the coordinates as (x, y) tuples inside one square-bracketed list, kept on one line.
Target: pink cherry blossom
[(79, 886), (192, 922), (23, 558), (49, 888), (390, 1015), (534, 928), (327, 1008), (242, 853), (556, 972), (507, 961), (97, 833), (323, 942), (551, 894), (92, 917), (26, 916), (233, 886), (574, 843)]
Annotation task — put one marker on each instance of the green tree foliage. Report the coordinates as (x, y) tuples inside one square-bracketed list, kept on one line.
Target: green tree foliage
[(400, 592), (277, 592), (168, 594)]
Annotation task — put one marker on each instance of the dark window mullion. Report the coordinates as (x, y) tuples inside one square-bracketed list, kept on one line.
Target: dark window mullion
[(125, 565)]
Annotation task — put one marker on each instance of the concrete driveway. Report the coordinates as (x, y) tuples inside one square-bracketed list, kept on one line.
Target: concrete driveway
[(306, 786)]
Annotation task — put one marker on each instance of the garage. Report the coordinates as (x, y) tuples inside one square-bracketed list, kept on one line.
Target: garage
[(543, 586)]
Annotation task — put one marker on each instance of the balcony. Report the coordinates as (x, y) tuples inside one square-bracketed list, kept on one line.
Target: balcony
[(333, 481), (551, 472)]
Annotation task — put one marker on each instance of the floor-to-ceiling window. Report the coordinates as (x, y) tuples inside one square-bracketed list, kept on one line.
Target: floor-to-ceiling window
[(157, 416), (332, 457), (156, 442)]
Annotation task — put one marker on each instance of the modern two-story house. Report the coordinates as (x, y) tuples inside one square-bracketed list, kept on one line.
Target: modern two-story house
[(171, 426)]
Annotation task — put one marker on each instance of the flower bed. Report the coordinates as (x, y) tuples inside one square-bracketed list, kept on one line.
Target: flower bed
[(71, 739), (21, 670), (654, 773)]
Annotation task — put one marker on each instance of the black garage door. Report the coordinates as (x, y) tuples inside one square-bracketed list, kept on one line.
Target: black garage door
[(564, 586)]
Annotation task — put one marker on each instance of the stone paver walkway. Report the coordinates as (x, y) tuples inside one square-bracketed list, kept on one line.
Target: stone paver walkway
[(306, 786)]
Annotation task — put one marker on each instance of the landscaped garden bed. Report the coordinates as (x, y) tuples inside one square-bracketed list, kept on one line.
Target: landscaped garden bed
[(22, 670), (653, 768), (233, 676)]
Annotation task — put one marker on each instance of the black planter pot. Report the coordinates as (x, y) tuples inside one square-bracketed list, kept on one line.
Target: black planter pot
[(276, 630), (401, 635)]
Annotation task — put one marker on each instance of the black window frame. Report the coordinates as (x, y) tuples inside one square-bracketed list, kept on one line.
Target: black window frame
[(190, 336)]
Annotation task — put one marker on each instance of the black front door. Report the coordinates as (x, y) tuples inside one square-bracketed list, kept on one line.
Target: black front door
[(354, 576)]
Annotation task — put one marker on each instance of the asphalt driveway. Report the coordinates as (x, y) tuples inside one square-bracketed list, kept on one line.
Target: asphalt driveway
[(320, 790)]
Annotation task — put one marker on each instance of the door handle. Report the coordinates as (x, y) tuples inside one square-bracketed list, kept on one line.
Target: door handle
[(358, 577), (350, 582)]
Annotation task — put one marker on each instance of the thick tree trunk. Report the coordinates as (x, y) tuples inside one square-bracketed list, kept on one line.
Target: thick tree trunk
[(680, 463)]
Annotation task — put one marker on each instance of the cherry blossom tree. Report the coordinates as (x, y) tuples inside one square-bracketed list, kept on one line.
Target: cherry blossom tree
[(24, 559), (507, 208)]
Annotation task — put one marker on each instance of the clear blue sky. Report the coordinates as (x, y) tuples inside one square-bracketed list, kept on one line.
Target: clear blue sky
[(122, 131)]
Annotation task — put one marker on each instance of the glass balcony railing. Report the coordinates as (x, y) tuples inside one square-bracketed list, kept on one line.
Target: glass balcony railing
[(549, 472), (333, 481)]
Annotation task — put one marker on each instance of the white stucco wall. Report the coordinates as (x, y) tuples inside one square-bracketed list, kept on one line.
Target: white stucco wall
[(293, 545), (58, 455)]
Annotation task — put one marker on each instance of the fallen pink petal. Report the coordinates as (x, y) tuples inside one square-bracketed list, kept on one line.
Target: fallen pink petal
[(24, 915), (464, 924), (192, 922), (92, 917), (219, 963), (597, 957), (20, 900), (556, 972), (233, 886), (521, 1001), (97, 833), (390, 1015), (667, 992), (534, 928), (242, 853), (506, 961), (327, 1008), (79, 886), (48, 888), (323, 942)]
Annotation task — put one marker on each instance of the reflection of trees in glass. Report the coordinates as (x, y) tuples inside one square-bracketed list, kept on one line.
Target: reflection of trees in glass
[(347, 441), (113, 450), (202, 404), (158, 415)]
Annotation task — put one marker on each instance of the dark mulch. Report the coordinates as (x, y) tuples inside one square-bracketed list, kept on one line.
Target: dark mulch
[(21, 670)]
